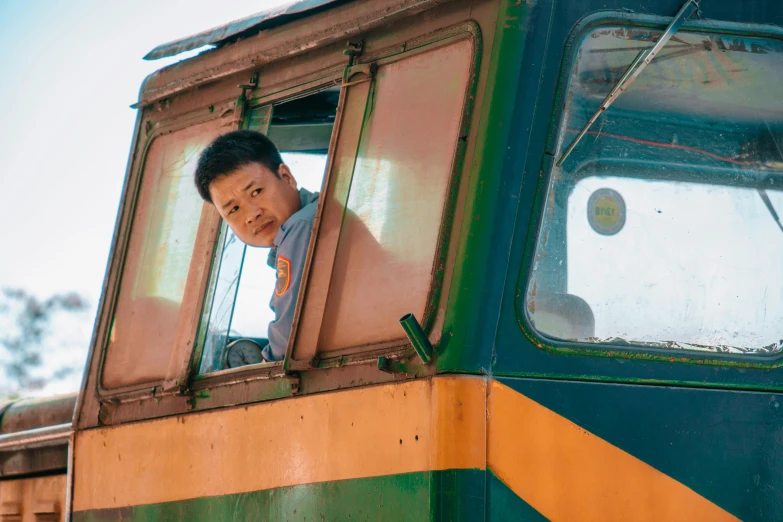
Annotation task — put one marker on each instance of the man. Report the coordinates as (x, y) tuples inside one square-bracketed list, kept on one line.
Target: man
[(242, 174)]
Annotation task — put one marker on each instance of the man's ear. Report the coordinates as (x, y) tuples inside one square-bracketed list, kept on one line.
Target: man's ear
[(285, 174)]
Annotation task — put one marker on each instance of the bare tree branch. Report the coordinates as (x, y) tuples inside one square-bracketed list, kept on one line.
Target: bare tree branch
[(26, 327)]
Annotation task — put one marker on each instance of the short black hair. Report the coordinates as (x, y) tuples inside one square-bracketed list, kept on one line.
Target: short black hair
[(232, 151)]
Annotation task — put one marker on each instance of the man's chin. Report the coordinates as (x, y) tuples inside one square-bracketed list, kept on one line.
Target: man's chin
[(260, 242), (256, 240)]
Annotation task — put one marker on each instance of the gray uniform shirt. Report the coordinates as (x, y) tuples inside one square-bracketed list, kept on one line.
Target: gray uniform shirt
[(288, 257)]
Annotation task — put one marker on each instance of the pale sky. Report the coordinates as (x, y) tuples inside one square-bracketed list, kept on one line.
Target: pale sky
[(70, 71)]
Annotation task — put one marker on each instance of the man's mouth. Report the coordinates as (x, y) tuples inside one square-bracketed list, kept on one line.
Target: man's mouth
[(263, 228)]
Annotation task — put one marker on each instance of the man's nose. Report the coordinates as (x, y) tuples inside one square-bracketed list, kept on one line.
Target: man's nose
[(253, 213)]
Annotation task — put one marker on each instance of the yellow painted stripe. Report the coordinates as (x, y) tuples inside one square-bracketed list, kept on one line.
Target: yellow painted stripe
[(413, 426), (567, 473)]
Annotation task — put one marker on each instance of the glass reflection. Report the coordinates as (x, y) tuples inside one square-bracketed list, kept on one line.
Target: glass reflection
[(660, 228)]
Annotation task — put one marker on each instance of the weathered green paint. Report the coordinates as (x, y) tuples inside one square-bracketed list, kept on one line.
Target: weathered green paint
[(569, 348), (458, 495), (265, 390), (718, 440), (471, 278), (441, 495), (449, 211)]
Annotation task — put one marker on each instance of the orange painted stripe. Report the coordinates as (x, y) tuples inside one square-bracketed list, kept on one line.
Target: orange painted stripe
[(23, 498), (567, 473), (562, 470), (413, 426)]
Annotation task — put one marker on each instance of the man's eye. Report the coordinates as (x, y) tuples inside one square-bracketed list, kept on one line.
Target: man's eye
[(233, 209), (256, 192)]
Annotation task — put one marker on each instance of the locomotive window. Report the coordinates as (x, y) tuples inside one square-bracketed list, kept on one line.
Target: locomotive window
[(387, 200), (238, 308), (662, 229), (167, 228)]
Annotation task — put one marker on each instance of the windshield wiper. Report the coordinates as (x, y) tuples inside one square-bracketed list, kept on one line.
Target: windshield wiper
[(770, 207), (640, 62), (763, 193)]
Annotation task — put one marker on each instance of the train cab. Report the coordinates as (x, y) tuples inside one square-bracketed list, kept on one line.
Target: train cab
[(542, 281)]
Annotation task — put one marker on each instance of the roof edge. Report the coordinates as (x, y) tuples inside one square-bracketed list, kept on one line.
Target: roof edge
[(277, 44), (253, 23)]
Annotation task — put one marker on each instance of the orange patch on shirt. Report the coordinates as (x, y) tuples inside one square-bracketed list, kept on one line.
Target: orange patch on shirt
[(283, 276)]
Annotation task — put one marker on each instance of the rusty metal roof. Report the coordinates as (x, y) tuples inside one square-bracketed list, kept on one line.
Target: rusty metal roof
[(249, 25)]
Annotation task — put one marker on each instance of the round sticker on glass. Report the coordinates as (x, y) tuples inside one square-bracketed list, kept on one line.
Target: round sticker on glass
[(606, 211)]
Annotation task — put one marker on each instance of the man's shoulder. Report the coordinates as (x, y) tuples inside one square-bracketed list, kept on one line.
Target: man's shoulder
[(306, 214)]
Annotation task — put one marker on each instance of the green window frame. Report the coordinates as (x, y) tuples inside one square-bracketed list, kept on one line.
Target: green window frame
[(665, 138)]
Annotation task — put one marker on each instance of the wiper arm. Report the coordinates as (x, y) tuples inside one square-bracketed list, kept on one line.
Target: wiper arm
[(770, 207), (640, 62)]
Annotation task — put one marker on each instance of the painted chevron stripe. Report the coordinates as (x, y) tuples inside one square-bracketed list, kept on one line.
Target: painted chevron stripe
[(567, 473)]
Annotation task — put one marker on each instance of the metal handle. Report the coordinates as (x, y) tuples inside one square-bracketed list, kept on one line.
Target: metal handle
[(417, 337)]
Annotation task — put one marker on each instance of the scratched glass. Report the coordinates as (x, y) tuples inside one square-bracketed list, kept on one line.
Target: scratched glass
[(662, 228), (389, 239), (151, 308)]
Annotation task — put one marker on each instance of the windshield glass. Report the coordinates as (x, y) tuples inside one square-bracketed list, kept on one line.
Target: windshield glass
[(660, 228)]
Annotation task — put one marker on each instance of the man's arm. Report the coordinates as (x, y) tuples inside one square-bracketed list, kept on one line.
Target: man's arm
[(290, 265)]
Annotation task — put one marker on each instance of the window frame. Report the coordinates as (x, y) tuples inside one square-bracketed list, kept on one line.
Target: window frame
[(264, 371), (172, 395), (555, 134), (125, 229), (400, 347)]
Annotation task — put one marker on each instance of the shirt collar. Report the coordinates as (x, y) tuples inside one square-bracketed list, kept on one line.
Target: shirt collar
[(305, 197)]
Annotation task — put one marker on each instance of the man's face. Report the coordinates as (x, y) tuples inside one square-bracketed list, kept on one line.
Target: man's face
[(254, 202)]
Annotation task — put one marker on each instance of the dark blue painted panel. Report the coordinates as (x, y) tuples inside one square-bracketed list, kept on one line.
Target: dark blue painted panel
[(725, 445), (504, 504), (525, 169)]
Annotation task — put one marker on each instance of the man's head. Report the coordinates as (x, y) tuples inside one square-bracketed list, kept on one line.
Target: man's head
[(243, 175)]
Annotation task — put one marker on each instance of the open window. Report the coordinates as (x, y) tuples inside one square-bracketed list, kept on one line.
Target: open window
[(662, 228), (236, 312)]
